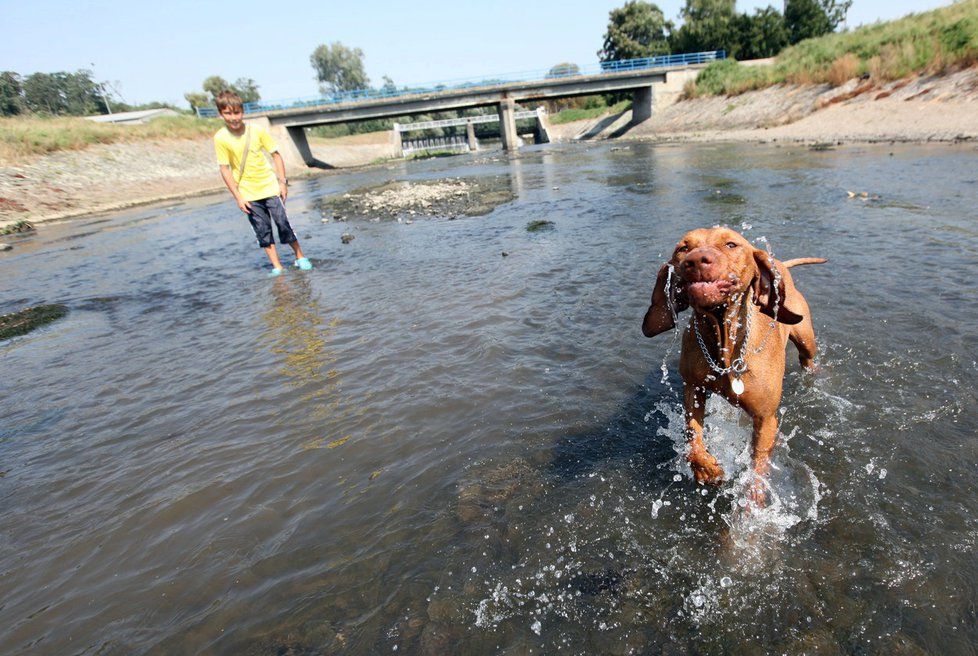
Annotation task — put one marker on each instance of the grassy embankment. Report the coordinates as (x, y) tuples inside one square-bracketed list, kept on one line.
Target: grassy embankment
[(22, 137), (569, 115), (932, 42)]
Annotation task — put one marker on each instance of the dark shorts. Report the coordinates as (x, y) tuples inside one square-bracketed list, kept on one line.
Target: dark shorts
[(263, 213)]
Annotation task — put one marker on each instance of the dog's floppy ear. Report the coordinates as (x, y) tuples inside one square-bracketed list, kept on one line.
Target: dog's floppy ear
[(659, 317), (764, 294)]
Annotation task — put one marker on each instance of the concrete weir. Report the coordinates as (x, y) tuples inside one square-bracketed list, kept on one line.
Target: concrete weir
[(652, 89)]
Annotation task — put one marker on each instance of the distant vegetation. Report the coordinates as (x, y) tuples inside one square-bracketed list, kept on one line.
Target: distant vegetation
[(639, 29), (594, 111), (27, 136), (931, 42), (215, 84), (60, 94)]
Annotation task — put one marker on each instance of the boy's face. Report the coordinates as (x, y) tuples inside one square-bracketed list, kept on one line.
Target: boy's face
[(233, 118)]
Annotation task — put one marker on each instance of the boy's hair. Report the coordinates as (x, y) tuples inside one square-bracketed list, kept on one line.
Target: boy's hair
[(228, 99)]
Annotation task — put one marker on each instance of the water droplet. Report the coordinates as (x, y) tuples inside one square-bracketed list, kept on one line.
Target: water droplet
[(726, 582), (677, 477)]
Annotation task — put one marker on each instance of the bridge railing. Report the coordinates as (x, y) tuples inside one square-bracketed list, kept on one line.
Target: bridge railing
[(461, 84)]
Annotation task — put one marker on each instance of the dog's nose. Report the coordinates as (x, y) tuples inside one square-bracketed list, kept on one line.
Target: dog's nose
[(699, 258)]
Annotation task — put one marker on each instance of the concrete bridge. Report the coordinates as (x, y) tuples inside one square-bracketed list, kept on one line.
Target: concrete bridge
[(405, 146), (653, 82)]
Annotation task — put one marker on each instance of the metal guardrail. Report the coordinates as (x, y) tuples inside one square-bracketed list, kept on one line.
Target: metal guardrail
[(618, 66)]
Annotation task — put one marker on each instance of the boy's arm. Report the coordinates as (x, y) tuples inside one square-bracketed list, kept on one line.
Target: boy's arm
[(232, 186), (283, 182)]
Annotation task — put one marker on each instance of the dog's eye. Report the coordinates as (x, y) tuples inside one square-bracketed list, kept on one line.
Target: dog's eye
[(682, 249), (731, 244)]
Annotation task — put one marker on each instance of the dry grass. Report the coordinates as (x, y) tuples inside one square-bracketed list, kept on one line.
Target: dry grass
[(843, 69), (25, 137)]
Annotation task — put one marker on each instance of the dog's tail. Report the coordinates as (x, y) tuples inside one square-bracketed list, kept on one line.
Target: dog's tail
[(798, 261)]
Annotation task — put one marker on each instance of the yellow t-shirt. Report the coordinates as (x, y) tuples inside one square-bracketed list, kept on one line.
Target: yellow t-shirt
[(259, 180)]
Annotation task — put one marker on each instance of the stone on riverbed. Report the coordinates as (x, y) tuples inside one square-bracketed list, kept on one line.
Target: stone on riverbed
[(5, 247), (446, 198), (487, 489), (24, 321), (540, 226)]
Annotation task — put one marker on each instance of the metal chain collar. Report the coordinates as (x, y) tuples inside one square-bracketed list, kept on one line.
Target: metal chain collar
[(739, 365)]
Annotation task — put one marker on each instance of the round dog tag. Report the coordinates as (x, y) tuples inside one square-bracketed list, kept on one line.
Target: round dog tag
[(737, 385)]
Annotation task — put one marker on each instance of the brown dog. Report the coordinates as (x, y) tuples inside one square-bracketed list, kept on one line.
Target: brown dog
[(745, 309)]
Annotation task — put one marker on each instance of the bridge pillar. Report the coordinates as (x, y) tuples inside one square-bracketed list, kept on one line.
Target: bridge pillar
[(507, 124), (542, 133), (643, 102), (470, 135), (397, 140), (291, 141)]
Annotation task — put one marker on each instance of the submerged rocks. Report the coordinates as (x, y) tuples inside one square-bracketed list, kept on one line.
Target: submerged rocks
[(346, 238), (23, 322), (447, 198), (540, 226)]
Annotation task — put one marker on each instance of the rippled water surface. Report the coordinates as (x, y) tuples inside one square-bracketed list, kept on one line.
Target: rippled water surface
[(424, 446)]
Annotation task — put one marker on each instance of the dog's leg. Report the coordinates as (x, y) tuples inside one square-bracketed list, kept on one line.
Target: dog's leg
[(705, 467), (802, 334), (765, 434)]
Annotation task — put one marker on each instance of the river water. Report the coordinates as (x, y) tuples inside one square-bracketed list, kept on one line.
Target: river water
[(424, 446)]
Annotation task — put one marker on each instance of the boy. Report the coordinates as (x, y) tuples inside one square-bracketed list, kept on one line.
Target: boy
[(252, 182)]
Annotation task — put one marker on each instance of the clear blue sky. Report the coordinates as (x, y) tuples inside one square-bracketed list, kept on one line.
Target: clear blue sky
[(159, 50)]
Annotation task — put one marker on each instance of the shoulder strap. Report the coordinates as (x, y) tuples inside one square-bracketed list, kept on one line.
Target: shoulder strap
[(244, 155)]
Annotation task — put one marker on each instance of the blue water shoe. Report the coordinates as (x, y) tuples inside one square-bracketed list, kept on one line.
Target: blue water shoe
[(303, 263), (274, 272)]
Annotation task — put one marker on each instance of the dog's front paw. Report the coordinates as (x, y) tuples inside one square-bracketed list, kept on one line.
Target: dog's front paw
[(705, 467)]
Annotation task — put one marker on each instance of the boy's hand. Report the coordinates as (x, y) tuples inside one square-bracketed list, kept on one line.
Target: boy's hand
[(244, 206), (283, 190)]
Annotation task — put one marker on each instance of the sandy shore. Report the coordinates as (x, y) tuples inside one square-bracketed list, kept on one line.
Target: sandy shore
[(103, 178)]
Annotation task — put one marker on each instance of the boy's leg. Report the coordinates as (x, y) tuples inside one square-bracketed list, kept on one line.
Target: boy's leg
[(286, 235), (261, 222)]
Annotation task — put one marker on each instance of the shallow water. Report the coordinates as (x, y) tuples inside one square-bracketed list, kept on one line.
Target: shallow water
[(423, 446)]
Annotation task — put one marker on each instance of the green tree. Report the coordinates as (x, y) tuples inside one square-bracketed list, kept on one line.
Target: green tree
[(11, 94), (762, 35), (635, 30), (708, 25), (63, 93), (339, 68), (563, 69), (196, 99), (809, 18), (214, 85), (247, 89), (389, 87)]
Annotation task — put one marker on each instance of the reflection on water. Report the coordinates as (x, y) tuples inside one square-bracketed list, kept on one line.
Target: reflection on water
[(298, 329), (426, 446)]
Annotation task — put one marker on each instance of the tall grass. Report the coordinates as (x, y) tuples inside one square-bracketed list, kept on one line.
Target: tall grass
[(22, 137), (931, 42)]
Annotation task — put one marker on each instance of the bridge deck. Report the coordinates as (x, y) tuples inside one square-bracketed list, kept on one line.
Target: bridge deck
[(514, 82)]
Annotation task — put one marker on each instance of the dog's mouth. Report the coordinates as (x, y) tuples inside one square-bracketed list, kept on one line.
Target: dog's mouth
[(709, 293)]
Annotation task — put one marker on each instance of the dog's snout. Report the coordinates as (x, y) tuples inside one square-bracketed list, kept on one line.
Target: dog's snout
[(700, 258)]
